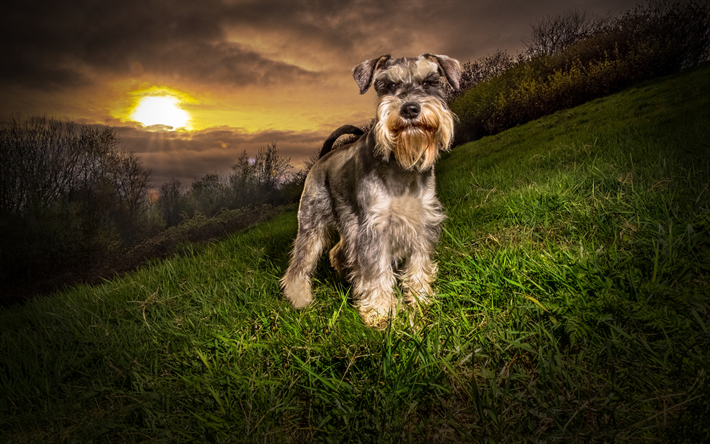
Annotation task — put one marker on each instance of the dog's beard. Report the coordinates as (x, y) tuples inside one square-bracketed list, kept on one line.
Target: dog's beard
[(415, 144)]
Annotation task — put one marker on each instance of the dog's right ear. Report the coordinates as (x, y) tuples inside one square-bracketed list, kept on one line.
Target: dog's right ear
[(365, 71)]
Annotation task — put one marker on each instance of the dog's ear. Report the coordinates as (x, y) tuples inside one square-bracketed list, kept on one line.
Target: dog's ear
[(364, 72), (451, 68)]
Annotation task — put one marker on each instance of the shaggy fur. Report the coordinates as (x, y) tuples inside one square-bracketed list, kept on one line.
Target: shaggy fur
[(378, 192)]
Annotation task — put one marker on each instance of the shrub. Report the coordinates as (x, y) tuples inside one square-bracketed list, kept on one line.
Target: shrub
[(586, 59), (67, 192), (260, 180)]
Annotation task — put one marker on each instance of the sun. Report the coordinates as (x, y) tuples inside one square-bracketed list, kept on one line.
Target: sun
[(161, 110)]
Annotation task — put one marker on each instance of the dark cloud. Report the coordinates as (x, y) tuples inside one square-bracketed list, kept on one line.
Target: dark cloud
[(41, 77), (52, 44)]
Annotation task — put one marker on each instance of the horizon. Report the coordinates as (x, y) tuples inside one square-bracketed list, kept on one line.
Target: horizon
[(189, 88)]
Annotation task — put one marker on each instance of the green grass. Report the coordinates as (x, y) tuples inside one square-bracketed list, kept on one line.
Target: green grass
[(573, 305)]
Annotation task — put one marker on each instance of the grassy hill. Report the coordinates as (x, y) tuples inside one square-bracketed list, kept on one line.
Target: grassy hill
[(573, 304)]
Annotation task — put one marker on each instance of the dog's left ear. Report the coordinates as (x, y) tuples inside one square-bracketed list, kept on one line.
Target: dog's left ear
[(451, 68), (364, 72)]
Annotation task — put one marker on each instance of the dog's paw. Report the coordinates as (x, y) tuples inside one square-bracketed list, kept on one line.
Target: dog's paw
[(375, 319), (298, 292), (378, 317)]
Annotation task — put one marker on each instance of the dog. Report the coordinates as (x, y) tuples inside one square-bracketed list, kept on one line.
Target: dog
[(378, 192)]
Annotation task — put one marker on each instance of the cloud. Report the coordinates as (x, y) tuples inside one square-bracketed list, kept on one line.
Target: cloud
[(62, 44), (67, 44)]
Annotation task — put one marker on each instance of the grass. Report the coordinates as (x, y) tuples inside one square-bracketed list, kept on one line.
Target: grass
[(573, 305)]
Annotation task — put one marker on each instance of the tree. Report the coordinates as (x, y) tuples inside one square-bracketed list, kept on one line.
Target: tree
[(473, 73), (66, 191), (131, 180), (170, 202), (259, 179), (209, 194), (270, 167), (553, 35)]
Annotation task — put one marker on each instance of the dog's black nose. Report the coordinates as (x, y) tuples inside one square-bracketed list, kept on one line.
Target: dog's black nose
[(410, 110)]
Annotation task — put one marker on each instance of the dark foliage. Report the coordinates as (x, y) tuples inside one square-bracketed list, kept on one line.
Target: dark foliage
[(473, 73), (263, 179), (74, 205), (67, 193), (573, 58)]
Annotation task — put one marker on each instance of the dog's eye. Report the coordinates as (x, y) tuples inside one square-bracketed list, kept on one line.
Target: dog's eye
[(431, 83), (385, 87)]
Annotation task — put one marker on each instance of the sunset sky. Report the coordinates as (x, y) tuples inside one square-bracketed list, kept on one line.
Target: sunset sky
[(235, 75)]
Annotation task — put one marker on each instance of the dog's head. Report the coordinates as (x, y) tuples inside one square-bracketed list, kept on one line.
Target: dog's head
[(413, 121)]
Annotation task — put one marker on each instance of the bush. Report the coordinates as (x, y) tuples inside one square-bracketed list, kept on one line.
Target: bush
[(67, 193), (586, 59), (253, 181)]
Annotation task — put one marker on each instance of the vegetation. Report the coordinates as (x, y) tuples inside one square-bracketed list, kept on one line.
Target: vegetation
[(67, 193), (264, 179), (572, 294), (572, 59), (572, 305), (74, 206)]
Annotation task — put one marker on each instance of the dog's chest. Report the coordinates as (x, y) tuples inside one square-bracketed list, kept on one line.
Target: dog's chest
[(405, 210), (405, 219)]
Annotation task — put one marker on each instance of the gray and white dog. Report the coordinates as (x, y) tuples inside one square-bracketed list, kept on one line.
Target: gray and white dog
[(379, 191)]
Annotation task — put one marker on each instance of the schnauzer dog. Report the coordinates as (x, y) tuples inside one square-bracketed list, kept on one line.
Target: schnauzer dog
[(379, 191)]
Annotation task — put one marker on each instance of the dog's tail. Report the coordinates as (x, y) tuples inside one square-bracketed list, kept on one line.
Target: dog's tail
[(343, 130)]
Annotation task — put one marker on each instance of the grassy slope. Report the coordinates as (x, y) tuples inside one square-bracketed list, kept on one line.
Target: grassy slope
[(599, 214)]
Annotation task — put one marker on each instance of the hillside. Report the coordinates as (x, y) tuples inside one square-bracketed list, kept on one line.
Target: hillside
[(573, 304)]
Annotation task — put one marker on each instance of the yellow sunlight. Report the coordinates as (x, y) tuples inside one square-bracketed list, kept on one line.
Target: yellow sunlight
[(163, 110)]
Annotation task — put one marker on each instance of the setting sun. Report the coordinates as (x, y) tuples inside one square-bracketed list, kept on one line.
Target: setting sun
[(163, 110)]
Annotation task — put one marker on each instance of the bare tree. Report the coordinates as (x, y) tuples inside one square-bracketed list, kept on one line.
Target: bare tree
[(243, 174), (67, 192), (473, 73), (170, 202), (554, 34), (44, 160), (270, 167), (131, 180)]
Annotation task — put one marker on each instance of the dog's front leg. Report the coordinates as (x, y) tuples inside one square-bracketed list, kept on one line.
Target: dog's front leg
[(419, 274), (310, 242), (374, 278)]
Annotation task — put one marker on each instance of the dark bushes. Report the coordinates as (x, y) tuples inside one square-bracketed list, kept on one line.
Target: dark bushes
[(67, 193), (74, 206), (573, 59), (254, 181)]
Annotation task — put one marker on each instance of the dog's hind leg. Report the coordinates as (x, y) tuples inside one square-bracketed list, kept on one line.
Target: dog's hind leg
[(338, 258), (313, 237), (296, 283)]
